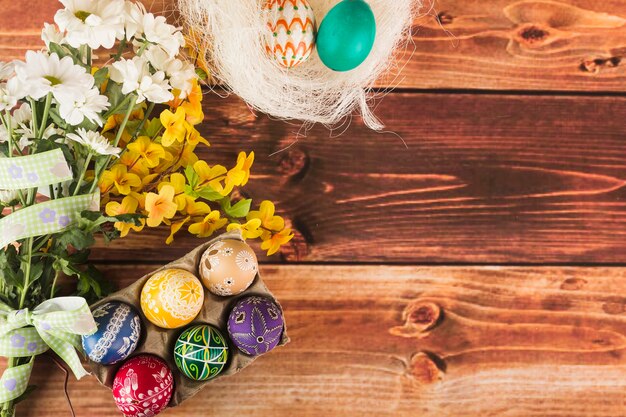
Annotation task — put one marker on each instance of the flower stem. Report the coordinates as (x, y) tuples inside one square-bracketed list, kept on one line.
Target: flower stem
[(44, 119), (33, 109), (27, 265), (82, 173), (131, 105)]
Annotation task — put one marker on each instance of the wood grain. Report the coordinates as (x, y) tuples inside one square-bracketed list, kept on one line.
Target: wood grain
[(569, 45), (482, 179), (367, 341)]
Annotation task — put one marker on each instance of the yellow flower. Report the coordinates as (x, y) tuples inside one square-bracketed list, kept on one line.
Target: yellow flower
[(193, 136), (272, 244), (184, 154), (269, 221), (160, 206), (177, 181), (197, 208), (210, 176), (207, 226), (119, 177), (134, 163), (193, 105), (240, 174), (117, 119), (174, 124), (151, 152), (174, 228), (128, 205), (249, 230)]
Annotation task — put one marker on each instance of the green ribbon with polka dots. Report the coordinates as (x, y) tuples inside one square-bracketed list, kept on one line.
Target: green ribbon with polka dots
[(57, 324)]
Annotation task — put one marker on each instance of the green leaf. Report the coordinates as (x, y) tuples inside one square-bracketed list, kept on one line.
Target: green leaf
[(66, 50), (152, 127), (36, 270), (76, 237), (101, 76), (192, 176), (210, 194), (201, 73), (240, 209)]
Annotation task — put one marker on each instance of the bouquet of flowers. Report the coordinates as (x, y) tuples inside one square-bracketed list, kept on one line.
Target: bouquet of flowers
[(96, 129)]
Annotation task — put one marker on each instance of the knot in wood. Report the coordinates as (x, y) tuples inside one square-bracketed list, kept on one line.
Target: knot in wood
[(444, 18), (533, 35), (293, 163), (425, 368), (423, 315)]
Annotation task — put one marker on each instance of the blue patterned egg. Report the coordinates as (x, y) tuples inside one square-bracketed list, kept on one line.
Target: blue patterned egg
[(119, 329)]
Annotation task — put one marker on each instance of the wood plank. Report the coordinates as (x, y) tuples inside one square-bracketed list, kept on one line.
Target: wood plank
[(572, 45), (484, 178), (406, 341), (519, 45)]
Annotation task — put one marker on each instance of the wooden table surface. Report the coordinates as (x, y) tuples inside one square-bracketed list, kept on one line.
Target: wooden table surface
[(478, 272)]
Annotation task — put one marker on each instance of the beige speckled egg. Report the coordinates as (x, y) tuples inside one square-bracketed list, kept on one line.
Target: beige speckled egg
[(172, 298), (228, 267)]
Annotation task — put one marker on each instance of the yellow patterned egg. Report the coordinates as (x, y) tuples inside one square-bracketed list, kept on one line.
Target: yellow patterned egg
[(291, 31), (172, 298)]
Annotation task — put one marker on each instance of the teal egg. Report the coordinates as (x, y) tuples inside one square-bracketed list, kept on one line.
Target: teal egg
[(201, 352), (346, 35)]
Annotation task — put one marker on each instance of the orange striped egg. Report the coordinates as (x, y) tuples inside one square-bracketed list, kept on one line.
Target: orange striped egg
[(291, 35)]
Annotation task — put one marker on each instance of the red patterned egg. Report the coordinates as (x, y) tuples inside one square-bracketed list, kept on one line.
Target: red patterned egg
[(291, 31), (143, 386)]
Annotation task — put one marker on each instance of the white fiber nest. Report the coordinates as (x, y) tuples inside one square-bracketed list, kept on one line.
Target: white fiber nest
[(232, 32)]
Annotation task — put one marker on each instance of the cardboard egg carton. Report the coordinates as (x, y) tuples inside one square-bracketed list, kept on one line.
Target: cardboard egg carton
[(160, 342)]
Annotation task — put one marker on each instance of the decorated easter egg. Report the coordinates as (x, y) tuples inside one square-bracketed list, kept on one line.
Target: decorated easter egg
[(143, 386), (228, 267), (255, 325), (291, 31), (201, 352), (172, 298), (119, 329), (346, 35)]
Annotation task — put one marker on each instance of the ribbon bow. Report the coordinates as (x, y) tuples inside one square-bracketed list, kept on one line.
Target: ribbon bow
[(57, 324)]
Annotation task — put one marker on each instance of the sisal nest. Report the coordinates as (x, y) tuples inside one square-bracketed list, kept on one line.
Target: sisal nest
[(231, 34)]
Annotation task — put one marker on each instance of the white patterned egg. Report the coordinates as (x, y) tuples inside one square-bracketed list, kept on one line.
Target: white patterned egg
[(228, 267), (291, 31)]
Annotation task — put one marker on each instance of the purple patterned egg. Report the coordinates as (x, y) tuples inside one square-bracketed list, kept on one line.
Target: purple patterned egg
[(255, 325)]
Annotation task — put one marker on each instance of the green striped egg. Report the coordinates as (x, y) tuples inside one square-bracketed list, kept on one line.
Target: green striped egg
[(201, 352)]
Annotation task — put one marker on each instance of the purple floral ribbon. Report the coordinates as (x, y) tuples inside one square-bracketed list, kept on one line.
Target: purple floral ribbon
[(33, 171), (45, 218), (57, 324)]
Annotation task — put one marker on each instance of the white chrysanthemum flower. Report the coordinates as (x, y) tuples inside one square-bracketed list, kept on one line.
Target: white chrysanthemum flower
[(135, 76), (156, 30), (97, 23), (4, 135), (75, 108), (51, 34), (181, 74), (7, 69), (22, 123), (8, 95), (22, 114), (133, 18), (94, 141), (41, 74), (8, 196)]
